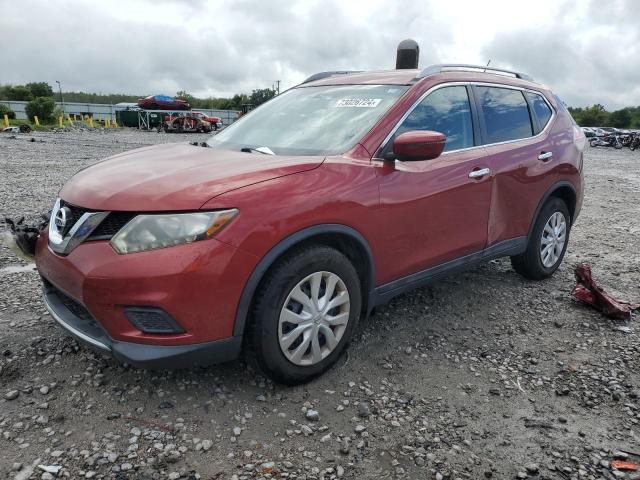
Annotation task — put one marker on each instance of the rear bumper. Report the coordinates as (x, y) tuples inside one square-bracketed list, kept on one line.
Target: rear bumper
[(76, 321)]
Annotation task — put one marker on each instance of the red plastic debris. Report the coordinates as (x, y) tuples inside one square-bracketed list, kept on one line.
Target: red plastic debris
[(589, 292), (623, 465)]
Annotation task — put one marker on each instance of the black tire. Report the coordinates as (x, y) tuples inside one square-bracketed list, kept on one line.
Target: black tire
[(593, 142), (263, 348), (617, 144), (529, 264)]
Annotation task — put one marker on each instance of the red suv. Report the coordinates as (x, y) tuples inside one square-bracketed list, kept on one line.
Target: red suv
[(298, 219)]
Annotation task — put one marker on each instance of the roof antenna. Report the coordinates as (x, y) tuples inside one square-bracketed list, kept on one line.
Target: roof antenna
[(485, 68)]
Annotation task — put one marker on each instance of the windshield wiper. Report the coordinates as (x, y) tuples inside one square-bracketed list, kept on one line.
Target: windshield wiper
[(262, 150)]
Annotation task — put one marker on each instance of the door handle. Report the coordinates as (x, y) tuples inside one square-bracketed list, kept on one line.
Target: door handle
[(545, 156), (483, 172)]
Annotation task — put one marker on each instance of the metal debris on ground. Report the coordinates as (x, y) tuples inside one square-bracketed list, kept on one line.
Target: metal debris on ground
[(624, 465), (24, 236), (24, 128), (587, 291)]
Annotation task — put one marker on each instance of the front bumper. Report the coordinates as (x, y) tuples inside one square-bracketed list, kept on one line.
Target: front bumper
[(90, 292), (77, 321)]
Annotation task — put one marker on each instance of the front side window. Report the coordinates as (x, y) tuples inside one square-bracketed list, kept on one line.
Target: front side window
[(505, 112), (445, 110), (325, 120), (540, 107)]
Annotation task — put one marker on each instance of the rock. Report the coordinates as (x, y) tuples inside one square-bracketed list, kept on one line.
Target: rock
[(363, 410), (11, 394), (344, 447), (206, 445), (44, 390), (359, 428), (532, 468), (312, 415), (237, 431), (53, 469)]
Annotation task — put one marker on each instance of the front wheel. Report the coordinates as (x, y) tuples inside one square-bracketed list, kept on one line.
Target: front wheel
[(304, 314), (547, 244), (593, 142)]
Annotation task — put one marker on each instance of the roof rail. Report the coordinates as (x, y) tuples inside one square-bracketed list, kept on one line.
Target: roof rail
[(321, 75), (461, 67)]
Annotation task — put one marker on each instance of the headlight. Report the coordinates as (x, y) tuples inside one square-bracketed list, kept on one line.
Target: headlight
[(149, 232)]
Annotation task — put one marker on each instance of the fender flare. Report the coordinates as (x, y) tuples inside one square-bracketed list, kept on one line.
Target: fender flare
[(242, 312), (545, 197)]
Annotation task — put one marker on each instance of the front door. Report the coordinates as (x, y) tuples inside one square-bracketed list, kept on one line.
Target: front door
[(435, 211)]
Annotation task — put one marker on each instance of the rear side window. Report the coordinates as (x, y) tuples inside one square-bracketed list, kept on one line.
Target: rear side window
[(540, 107), (447, 111), (505, 112)]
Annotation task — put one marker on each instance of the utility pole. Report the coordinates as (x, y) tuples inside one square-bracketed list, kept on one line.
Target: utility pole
[(61, 99), (277, 87)]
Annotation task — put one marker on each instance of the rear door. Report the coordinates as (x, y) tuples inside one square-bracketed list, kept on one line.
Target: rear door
[(433, 211), (520, 156)]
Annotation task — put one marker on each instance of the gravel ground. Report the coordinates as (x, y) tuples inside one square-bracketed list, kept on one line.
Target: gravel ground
[(482, 375)]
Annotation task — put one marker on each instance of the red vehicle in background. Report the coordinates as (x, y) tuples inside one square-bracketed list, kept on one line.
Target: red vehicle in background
[(163, 102), (190, 122), (216, 122)]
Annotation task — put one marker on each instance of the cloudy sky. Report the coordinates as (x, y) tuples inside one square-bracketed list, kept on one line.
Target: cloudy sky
[(587, 51)]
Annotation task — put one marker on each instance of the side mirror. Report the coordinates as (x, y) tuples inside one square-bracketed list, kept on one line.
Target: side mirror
[(418, 145)]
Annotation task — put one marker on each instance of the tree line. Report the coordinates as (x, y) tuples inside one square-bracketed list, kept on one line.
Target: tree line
[(598, 116)]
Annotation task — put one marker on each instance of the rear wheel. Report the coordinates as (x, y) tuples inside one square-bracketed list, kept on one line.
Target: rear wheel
[(304, 314), (593, 142), (547, 243)]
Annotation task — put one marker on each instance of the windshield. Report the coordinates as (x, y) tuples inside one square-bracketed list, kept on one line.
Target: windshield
[(325, 120)]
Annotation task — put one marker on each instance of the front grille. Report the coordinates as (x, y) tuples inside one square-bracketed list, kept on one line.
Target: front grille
[(74, 317), (107, 228), (75, 307), (76, 212), (111, 225)]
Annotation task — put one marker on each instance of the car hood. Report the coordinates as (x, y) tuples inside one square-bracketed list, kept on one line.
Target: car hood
[(174, 177)]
